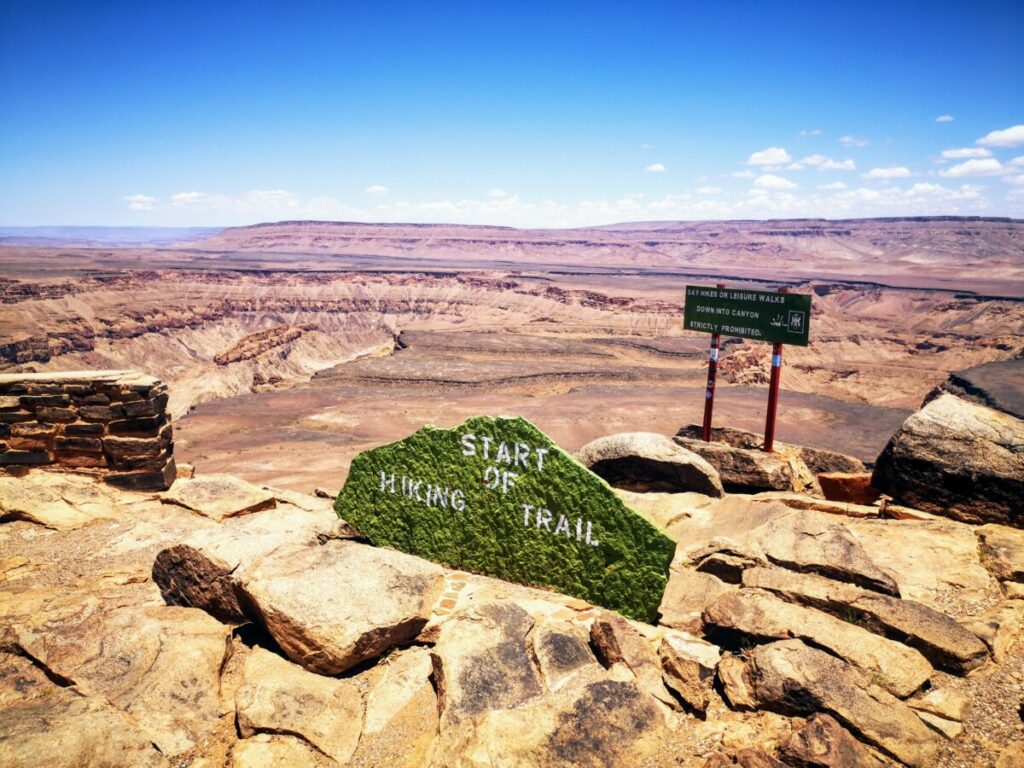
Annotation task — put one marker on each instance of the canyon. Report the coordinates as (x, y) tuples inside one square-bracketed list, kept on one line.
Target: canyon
[(288, 347)]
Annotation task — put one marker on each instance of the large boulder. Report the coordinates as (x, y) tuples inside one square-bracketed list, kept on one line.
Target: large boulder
[(333, 606), (793, 678), (1002, 551), (645, 462), (957, 459), (762, 616), (201, 571)]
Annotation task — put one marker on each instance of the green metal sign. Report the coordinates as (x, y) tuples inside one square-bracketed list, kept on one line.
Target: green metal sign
[(760, 315)]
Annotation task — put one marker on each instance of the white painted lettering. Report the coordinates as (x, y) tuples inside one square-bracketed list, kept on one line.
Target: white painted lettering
[(508, 480), (458, 500), (522, 453), (469, 445), (487, 446), (492, 477), (563, 526), (387, 482), (590, 540), (541, 453), (527, 509), (503, 453), (544, 518)]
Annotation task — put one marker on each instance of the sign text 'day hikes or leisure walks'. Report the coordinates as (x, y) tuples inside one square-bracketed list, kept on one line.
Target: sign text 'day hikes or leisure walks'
[(497, 496), (782, 318)]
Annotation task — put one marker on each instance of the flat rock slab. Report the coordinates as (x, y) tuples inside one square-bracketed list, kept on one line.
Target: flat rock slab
[(219, 496), (43, 725), (957, 459), (333, 606), (937, 636), (1002, 551), (277, 696), (824, 743), (646, 462), (797, 679), (998, 385), (57, 500), (760, 615), (497, 496), (160, 664)]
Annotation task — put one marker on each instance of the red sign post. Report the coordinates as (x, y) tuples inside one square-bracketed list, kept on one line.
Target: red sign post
[(709, 393), (777, 317)]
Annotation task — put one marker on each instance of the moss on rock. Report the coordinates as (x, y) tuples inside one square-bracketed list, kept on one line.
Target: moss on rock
[(497, 496)]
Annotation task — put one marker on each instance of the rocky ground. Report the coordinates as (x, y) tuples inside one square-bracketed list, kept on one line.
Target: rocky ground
[(227, 624)]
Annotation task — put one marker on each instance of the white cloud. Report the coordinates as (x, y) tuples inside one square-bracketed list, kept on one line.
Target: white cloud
[(959, 154), (746, 174), (376, 189), (771, 181), (812, 132), (823, 163), (1017, 162), (833, 185), (937, 191), (141, 202), (1017, 180), (987, 167), (709, 190), (853, 141), (892, 172), (189, 198), (655, 168), (770, 156), (645, 146), (497, 193), (944, 119), (1008, 137)]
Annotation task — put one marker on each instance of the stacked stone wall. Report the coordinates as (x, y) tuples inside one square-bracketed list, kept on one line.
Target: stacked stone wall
[(110, 423)]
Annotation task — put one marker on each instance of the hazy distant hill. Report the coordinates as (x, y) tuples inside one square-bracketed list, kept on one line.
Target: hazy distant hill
[(944, 249), (101, 236)]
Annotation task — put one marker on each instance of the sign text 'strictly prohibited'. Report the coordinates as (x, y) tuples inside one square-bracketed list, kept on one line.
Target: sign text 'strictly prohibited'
[(782, 318)]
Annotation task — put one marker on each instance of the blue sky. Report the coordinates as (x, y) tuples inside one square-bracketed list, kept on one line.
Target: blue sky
[(219, 113)]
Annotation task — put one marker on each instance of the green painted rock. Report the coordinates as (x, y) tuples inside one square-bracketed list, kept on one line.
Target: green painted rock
[(497, 496)]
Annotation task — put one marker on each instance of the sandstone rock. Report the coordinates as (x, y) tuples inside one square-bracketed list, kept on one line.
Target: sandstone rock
[(333, 606), (562, 650), (685, 677), (809, 544), (201, 572), (185, 471), (927, 558), (824, 743), (277, 696), (948, 728), (1013, 590), (743, 469), (705, 654), (1012, 756), (794, 678), (957, 459), (596, 721), (853, 487), (688, 593), (56, 500), (269, 751), (1002, 551), (482, 661), (759, 615), (44, 725), (160, 664), (645, 461), (615, 641), (802, 501), (944, 702), (999, 628), (219, 496), (937, 636), (401, 727)]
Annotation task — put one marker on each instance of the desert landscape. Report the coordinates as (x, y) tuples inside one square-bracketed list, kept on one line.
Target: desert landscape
[(314, 351)]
